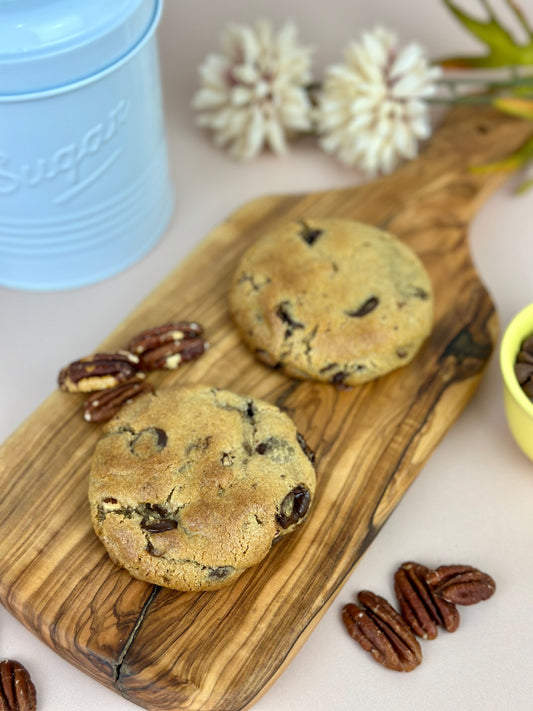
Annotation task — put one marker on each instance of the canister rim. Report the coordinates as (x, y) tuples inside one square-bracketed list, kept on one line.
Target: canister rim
[(86, 45)]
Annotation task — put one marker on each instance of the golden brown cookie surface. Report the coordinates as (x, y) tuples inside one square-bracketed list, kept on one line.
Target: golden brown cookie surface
[(332, 300), (191, 485)]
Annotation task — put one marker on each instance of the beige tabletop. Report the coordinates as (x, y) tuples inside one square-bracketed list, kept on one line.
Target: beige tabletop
[(472, 501)]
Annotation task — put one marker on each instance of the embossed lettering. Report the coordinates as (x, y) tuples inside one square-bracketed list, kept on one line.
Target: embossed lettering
[(9, 181), (64, 161), (122, 110), (27, 178), (68, 159), (91, 142)]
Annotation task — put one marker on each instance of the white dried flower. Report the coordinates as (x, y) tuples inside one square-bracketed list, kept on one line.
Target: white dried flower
[(253, 94), (372, 111)]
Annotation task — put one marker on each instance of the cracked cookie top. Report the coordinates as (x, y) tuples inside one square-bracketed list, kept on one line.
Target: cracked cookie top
[(191, 485), (332, 300)]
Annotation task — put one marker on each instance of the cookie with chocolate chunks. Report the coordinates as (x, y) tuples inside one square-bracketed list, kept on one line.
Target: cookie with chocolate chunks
[(191, 485), (332, 300)]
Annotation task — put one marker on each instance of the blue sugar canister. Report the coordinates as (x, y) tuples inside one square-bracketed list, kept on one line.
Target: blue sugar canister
[(84, 183)]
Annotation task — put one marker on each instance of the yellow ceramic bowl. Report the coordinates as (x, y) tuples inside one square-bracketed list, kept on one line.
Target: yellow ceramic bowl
[(518, 407)]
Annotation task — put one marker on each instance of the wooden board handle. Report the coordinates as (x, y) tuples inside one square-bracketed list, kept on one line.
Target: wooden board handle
[(442, 183)]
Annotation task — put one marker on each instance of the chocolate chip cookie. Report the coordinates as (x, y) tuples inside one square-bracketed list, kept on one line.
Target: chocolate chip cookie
[(332, 300), (191, 485)]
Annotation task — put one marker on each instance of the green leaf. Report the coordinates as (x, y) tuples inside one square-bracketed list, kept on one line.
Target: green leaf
[(503, 50), (512, 162), (521, 108)]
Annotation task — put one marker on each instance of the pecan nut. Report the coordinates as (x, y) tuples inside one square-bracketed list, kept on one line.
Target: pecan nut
[(166, 347), (424, 611), (383, 632), (99, 372), (167, 333), (17, 692), (460, 584), (170, 356), (104, 404)]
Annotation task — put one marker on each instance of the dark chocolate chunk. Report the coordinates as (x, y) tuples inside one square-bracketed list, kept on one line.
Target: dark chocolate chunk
[(524, 357), (149, 441), (365, 308), (327, 367), (152, 550), (282, 312), (306, 449), (162, 438), (420, 293), (294, 506), (220, 573), (158, 525), (523, 366), (527, 387), (523, 372), (310, 234), (527, 345)]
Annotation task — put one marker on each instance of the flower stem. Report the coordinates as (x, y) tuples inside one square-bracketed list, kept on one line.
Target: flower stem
[(514, 81), (490, 88), (465, 99)]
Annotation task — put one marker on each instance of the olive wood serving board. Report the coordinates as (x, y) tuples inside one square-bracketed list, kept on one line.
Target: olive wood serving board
[(219, 651)]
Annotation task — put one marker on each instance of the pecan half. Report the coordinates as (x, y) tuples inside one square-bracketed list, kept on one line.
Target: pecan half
[(382, 631), (17, 692), (99, 372), (104, 404), (420, 607), (170, 356), (460, 584), (169, 345), (167, 333)]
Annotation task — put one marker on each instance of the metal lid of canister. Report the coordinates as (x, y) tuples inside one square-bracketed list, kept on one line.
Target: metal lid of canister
[(45, 45)]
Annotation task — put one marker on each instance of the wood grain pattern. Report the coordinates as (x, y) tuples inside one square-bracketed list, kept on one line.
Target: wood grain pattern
[(219, 651)]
